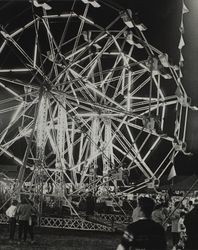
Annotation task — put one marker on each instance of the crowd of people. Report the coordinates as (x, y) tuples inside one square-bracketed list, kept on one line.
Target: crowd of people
[(25, 215), (161, 226), (157, 223)]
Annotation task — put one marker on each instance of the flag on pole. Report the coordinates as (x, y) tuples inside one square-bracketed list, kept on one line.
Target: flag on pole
[(184, 9), (181, 42), (172, 173)]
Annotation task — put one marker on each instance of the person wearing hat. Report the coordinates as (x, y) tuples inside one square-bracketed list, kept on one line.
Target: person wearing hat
[(144, 233), (191, 224)]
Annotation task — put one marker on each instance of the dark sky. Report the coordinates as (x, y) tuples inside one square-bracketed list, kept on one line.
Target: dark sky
[(162, 18)]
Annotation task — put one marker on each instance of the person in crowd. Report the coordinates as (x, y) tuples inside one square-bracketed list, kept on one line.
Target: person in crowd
[(125, 176), (165, 211), (24, 212), (181, 226), (191, 224), (182, 231), (175, 215), (135, 212), (190, 205), (184, 208), (11, 213), (32, 221), (90, 204), (144, 233), (158, 214)]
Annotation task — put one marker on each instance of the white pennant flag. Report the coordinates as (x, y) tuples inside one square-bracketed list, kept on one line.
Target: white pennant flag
[(181, 64), (180, 74), (179, 80), (181, 57), (172, 173), (185, 9), (181, 42)]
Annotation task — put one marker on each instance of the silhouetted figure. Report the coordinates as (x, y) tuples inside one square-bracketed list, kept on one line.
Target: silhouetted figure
[(90, 204), (174, 223), (50, 186), (32, 221), (144, 233), (191, 224), (24, 212)]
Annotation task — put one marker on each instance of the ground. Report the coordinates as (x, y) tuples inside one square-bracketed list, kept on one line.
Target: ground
[(50, 239), (59, 239)]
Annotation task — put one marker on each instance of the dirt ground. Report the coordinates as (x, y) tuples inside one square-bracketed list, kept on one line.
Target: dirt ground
[(59, 239), (50, 239)]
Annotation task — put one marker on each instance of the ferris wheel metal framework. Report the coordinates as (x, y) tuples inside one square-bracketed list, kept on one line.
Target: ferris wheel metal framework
[(86, 100)]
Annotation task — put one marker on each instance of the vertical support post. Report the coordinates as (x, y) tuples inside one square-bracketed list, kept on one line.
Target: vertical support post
[(25, 159), (40, 150), (61, 138), (107, 151)]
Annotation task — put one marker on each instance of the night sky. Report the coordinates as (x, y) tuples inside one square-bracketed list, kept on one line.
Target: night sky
[(162, 19)]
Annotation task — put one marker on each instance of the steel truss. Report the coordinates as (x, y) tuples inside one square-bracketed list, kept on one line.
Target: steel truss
[(84, 99), (80, 224), (67, 223)]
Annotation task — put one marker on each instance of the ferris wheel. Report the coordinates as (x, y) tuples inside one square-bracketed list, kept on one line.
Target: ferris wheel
[(87, 103)]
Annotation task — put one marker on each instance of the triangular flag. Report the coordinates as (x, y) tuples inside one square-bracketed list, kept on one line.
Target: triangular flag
[(172, 173), (181, 42), (177, 126), (181, 64), (185, 9), (180, 74), (178, 92), (181, 57), (172, 157)]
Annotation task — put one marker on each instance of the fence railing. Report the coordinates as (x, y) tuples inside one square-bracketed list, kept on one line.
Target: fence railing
[(102, 222)]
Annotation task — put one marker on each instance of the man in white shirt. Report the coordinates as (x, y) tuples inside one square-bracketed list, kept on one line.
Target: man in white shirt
[(11, 213)]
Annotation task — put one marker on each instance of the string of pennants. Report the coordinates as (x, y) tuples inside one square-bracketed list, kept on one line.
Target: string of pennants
[(181, 41), (181, 44)]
